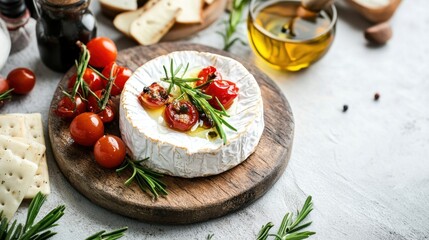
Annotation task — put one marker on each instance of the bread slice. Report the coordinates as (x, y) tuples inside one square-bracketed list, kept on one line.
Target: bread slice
[(192, 10), (119, 5), (154, 22), (123, 21)]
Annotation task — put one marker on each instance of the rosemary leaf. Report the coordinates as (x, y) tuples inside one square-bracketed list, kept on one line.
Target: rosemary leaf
[(145, 178), (31, 230), (231, 26), (6, 95), (288, 229), (263, 233), (113, 235)]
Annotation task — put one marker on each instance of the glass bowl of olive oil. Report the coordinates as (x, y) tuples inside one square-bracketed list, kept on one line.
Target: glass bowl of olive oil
[(288, 40)]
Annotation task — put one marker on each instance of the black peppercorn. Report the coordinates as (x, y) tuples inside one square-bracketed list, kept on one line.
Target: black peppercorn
[(376, 96), (146, 90)]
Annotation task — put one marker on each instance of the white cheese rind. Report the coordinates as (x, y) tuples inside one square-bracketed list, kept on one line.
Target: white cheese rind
[(179, 154)]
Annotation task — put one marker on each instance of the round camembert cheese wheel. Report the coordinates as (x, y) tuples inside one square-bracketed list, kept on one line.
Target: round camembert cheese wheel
[(186, 154)]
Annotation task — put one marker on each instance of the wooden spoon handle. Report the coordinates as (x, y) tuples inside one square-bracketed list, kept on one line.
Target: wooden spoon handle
[(316, 5)]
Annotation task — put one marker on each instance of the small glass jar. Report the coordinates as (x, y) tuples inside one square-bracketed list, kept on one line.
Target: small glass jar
[(60, 25), (5, 44), (17, 18), (286, 40)]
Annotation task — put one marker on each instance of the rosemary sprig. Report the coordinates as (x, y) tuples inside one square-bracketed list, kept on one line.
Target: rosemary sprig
[(40, 230), (289, 228), (210, 236), (106, 94), (231, 26), (6, 95), (145, 178), (198, 98), (113, 235), (81, 66), (263, 233)]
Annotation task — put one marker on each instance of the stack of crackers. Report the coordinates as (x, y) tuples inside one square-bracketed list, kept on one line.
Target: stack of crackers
[(23, 166)]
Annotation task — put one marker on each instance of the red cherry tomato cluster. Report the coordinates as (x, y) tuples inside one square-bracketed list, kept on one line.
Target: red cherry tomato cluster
[(87, 129), (88, 101), (19, 81), (183, 115), (95, 86)]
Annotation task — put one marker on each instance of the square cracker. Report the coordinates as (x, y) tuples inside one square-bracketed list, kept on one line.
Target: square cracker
[(13, 126), (34, 131), (16, 174)]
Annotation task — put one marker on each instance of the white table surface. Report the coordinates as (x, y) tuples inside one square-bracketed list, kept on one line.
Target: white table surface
[(367, 169)]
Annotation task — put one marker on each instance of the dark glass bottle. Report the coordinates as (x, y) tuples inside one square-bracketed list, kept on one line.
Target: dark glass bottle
[(60, 25)]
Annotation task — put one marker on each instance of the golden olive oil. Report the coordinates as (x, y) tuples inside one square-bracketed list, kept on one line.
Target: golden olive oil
[(287, 41), (200, 132)]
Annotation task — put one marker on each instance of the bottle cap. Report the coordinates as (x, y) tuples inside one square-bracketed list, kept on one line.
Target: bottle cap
[(12, 8)]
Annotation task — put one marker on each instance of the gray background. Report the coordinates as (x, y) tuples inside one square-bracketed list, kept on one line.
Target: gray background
[(367, 169)]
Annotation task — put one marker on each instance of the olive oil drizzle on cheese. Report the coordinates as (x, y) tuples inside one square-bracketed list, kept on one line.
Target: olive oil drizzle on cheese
[(200, 132)]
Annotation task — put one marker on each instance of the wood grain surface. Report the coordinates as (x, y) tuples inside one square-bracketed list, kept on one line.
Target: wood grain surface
[(189, 200)]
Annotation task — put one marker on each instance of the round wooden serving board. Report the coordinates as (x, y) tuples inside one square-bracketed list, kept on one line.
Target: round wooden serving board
[(189, 200)]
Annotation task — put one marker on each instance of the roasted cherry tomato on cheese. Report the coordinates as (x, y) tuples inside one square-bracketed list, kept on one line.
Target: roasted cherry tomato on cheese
[(224, 90), (102, 50), (22, 80), (86, 128), (207, 74), (68, 108), (181, 115), (121, 75), (107, 114), (109, 151), (153, 96), (91, 78)]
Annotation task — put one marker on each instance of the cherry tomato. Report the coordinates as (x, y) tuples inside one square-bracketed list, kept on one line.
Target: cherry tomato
[(109, 151), (102, 50), (207, 74), (154, 96), (86, 128), (22, 80), (224, 90), (4, 85), (107, 114), (69, 109), (181, 115), (121, 75), (90, 77)]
